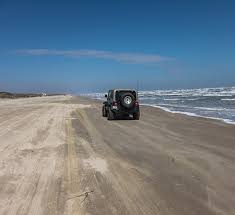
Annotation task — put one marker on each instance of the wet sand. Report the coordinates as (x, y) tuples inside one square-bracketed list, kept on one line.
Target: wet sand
[(58, 155)]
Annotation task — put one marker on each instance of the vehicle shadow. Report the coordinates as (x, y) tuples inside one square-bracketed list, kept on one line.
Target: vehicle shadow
[(122, 118)]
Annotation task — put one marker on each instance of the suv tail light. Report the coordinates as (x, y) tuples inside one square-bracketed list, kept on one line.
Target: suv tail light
[(115, 103), (136, 103)]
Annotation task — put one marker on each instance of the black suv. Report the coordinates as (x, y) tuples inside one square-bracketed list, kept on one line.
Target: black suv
[(121, 103)]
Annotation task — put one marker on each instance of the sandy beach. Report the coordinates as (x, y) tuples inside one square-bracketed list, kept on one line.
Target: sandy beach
[(58, 155)]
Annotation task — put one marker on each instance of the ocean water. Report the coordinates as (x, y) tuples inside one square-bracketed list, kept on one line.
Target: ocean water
[(216, 103)]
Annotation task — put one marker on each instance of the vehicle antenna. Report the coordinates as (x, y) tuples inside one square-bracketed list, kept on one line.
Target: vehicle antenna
[(137, 88)]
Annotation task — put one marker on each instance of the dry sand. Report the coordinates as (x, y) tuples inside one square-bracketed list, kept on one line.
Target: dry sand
[(55, 149)]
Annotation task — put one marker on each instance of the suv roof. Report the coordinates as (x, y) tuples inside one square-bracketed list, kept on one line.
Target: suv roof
[(124, 90)]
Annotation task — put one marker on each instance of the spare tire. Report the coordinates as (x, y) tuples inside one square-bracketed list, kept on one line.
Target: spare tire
[(127, 100)]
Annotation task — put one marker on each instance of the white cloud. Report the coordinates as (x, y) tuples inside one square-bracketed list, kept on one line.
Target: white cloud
[(121, 57)]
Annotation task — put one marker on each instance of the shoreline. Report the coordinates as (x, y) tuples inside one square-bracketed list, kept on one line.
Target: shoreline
[(226, 121)]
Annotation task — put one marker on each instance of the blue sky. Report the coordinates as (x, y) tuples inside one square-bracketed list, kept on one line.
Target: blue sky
[(93, 45)]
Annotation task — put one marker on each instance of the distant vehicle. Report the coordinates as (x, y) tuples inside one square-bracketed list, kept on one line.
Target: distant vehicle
[(121, 103)]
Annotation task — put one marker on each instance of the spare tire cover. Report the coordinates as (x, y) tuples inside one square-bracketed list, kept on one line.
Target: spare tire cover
[(127, 100)]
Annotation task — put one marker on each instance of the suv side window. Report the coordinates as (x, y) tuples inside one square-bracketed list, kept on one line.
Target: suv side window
[(111, 95)]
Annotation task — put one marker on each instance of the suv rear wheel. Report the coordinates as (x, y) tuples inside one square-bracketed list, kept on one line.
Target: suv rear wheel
[(136, 116), (111, 115)]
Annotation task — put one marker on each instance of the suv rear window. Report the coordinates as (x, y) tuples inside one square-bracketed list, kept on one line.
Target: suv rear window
[(120, 93)]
